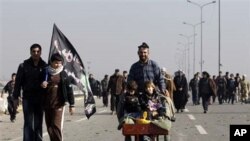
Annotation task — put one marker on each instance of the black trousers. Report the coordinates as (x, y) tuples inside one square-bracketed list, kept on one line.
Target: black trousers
[(205, 101), (33, 120), (105, 100), (114, 101), (11, 107)]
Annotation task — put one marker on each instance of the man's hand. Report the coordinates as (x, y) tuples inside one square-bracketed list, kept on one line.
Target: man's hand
[(167, 93), (44, 84)]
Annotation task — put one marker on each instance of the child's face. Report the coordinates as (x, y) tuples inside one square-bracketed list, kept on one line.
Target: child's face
[(150, 89), (131, 92)]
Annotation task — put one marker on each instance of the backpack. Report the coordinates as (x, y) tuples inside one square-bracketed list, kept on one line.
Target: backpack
[(221, 83), (231, 84)]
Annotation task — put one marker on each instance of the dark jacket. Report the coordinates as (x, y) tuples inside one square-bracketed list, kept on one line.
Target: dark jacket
[(28, 79), (64, 87), (116, 84), (9, 87), (207, 86), (128, 104)]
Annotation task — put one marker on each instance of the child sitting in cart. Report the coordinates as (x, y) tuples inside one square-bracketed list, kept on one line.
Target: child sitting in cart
[(129, 106), (153, 102)]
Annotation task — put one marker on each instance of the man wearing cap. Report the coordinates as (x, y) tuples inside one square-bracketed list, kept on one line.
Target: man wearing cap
[(116, 85), (146, 70)]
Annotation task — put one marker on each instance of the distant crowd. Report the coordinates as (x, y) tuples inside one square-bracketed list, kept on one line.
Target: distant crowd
[(227, 88)]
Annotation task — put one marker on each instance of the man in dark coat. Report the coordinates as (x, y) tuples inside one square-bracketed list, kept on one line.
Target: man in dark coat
[(116, 86), (28, 79)]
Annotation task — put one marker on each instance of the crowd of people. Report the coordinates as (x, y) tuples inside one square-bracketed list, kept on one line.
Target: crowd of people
[(228, 88), (146, 88)]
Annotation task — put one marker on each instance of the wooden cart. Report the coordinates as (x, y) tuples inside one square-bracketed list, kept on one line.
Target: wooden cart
[(144, 129)]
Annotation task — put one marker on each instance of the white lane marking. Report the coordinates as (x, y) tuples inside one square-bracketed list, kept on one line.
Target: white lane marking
[(78, 98), (191, 117), (102, 111), (201, 129), (82, 119), (186, 110)]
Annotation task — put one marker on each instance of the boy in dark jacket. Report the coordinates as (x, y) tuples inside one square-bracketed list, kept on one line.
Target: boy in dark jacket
[(129, 105)]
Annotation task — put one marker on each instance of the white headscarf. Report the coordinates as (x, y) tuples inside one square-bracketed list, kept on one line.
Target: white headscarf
[(53, 71)]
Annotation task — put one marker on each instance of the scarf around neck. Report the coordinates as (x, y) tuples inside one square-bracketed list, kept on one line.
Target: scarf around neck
[(53, 71)]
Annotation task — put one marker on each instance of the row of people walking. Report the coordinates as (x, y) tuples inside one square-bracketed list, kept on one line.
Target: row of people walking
[(228, 88)]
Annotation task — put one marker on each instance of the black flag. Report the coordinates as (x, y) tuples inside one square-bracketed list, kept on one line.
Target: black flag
[(73, 67)]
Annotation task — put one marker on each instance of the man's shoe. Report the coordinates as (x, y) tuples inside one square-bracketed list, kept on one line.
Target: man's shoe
[(13, 120), (172, 119), (113, 113)]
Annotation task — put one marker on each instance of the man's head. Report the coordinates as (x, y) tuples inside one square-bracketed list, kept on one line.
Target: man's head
[(227, 73), (143, 52), (91, 76), (13, 76), (106, 76), (220, 73), (35, 52), (205, 74), (117, 71), (125, 73)]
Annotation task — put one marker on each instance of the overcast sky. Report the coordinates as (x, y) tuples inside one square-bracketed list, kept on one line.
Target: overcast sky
[(106, 33)]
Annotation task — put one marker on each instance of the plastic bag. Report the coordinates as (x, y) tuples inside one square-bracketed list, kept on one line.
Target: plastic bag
[(3, 105)]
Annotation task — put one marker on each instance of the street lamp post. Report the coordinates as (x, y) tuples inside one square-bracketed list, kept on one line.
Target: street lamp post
[(180, 58), (219, 44), (188, 52), (201, 8), (194, 26)]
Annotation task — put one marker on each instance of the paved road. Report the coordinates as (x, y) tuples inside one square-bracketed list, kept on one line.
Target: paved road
[(192, 124)]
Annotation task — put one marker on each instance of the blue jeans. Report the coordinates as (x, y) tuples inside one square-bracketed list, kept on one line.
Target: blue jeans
[(33, 120)]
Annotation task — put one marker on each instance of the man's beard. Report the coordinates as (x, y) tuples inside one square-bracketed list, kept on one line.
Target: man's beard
[(143, 59)]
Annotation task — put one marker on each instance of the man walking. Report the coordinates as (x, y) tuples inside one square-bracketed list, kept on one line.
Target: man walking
[(116, 85), (9, 87), (28, 79), (104, 84)]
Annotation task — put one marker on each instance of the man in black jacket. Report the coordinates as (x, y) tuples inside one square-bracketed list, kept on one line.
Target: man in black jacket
[(29, 80), (9, 87)]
